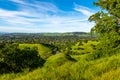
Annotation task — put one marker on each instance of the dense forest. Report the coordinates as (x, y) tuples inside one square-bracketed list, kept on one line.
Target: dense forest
[(66, 56)]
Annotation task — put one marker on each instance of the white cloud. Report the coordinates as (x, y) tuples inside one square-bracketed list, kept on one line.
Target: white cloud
[(84, 10), (36, 6), (18, 1), (7, 13), (43, 17)]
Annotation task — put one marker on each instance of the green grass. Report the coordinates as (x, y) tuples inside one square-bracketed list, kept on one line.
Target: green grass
[(59, 67), (111, 75), (82, 48), (43, 51), (57, 60), (107, 68)]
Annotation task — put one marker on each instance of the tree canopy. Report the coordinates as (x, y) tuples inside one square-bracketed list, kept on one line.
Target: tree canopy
[(107, 26)]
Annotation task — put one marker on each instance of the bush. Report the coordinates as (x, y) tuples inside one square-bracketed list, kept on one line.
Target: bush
[(17, 60)]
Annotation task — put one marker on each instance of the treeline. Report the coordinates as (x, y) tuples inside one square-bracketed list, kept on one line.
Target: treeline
[(43, 37), (57, 42)]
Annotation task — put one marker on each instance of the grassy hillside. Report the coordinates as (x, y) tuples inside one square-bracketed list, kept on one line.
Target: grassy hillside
[(84, 47), (58, 60), (43, 51), (73, 67), (102, 69)]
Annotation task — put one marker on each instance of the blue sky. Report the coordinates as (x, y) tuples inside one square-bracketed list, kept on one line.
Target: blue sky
[(33, 16)]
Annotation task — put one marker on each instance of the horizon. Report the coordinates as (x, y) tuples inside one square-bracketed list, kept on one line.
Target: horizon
[(46, 16), (39, 32)]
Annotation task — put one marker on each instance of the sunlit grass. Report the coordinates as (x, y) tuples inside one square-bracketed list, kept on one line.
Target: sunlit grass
[(59, 67), (107, 68), (43, 51), (84, 47)]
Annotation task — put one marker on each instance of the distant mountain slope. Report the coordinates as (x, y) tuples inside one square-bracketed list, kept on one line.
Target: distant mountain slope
[(50, 34), (3, 32)]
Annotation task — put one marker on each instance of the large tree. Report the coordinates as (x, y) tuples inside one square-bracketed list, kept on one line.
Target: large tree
[(107, 26)]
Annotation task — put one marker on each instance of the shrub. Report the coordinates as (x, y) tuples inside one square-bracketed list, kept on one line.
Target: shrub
[(17, 60)]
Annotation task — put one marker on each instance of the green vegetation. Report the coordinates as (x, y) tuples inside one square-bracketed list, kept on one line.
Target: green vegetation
[(83, 47), (13, 59), (66, 57), (107, 27), (43, 51), (102, 69)]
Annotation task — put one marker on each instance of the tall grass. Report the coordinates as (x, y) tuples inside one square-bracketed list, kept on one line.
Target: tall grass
[(59, 67), (107, 68)]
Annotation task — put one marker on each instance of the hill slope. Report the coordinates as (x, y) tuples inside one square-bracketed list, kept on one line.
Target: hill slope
[(43, 51), (107, 68)]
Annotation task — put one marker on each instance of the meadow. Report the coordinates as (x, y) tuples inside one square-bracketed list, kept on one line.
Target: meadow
[(73, 67)]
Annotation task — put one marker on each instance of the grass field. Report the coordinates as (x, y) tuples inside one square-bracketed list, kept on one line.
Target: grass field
[(59, 67), (102, 69), (43, 51)]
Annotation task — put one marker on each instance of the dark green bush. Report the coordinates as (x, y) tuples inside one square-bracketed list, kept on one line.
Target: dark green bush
[(15, 60)]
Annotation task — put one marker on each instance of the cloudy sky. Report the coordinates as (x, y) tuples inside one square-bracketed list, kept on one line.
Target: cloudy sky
[(46, 15)]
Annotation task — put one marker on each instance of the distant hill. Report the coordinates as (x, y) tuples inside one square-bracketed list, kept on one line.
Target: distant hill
[(3, 32), (80, 33), (50, 34), (66, 34)]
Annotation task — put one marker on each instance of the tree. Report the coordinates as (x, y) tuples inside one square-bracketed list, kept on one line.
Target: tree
[(107, 26), (13, 59)]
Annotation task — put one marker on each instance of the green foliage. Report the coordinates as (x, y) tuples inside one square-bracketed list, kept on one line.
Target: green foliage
[(83, 47), (15, 60), (107, 27), (107, 68), (61, 66), (112, 6), (103, 62), (29, 58), (43, 51)]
